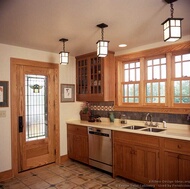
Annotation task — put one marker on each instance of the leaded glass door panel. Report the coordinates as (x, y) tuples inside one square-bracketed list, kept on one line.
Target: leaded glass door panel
[(36, 116)]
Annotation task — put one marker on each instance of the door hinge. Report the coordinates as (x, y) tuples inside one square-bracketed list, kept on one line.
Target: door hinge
[(55, 152)]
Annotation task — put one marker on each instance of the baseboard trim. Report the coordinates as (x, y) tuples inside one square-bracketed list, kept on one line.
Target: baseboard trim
[(63, 159), (5, 175)]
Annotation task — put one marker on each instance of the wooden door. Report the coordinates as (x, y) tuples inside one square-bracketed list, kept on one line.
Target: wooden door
[(35, 112)]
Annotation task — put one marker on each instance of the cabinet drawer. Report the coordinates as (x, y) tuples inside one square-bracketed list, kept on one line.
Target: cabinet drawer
[(136, 139), (79, 130), (177, 145)]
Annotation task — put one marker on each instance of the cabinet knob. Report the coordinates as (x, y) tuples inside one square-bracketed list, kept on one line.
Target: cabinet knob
[(179, 146)]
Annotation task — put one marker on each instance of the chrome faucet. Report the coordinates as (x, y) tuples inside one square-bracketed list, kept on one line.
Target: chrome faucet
[(151, 121), (146, 119)]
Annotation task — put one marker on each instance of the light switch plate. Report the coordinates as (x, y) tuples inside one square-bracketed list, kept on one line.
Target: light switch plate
[(2, 113)]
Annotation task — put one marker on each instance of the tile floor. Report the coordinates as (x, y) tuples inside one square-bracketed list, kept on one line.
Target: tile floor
[(70, 175)]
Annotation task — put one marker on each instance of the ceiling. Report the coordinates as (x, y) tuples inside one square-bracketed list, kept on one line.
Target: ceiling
[(39, 24)]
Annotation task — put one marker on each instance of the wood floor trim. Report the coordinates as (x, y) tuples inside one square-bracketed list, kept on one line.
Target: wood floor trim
[(5, 175)]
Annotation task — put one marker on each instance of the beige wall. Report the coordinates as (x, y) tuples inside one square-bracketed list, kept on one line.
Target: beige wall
[(67, 110)]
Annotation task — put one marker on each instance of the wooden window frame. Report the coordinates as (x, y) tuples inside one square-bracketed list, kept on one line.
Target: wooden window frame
[(153, 80), (173, 78), (168, 107), (129, 82)]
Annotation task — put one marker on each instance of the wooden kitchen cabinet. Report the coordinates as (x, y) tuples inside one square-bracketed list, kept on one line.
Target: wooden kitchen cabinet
[(77, 143), (136, 156), (95, 77), (176, 162)]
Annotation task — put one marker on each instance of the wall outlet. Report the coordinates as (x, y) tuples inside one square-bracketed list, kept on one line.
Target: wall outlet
[(2, 113)]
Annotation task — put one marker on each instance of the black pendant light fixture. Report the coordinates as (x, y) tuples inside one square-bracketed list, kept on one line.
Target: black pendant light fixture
[(172, 26), (102, 45), (64, 56)]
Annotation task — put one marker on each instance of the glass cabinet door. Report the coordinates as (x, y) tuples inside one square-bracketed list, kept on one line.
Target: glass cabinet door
[(82, 77), (96, 75)]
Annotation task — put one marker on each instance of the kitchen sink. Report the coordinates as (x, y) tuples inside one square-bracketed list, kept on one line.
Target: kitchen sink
[(133, 127), (155, 130)]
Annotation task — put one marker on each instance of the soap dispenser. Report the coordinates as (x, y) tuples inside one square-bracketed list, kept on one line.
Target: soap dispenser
[(164, 124)]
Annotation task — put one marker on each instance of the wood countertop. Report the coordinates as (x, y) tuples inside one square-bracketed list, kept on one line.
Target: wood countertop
[(174, 131)]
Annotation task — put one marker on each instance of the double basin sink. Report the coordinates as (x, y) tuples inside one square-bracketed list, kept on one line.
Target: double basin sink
[(142, 128)]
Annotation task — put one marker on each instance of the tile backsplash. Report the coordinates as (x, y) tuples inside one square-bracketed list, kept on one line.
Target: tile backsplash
[(104, 108)]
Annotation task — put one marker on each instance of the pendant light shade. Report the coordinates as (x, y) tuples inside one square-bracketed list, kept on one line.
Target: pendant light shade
[(102, 48), (64, 56), (172, 26), (102, 45)]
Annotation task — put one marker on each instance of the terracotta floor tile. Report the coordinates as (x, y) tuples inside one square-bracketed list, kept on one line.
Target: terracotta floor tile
[(65, 185), (79, 180), (31, 180), (70, 175), (54, 180), (40, 185), (91, 184), (46, 174), (14, 184), (105, 179)]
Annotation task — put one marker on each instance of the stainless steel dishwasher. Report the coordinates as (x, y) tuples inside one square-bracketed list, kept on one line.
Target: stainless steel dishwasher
[(100, 148)]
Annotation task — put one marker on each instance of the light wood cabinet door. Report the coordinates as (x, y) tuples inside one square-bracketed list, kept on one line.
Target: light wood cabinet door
[(171, 167), (80, 146), (70, 145), (77, 143), (146, 164), (184, 168), (123, 160), (176, 169)]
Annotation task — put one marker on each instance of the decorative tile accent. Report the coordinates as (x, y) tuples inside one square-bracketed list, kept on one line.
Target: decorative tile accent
[(103, 109)]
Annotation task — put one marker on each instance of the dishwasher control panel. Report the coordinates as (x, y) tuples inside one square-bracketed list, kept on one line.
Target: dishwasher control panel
[(100, 132)]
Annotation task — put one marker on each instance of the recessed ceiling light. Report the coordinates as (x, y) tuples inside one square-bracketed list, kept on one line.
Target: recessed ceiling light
[(122, 45)]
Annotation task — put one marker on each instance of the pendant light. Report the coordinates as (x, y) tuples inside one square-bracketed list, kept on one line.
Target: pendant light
[(172, 26), (64, 56), (102, 45)]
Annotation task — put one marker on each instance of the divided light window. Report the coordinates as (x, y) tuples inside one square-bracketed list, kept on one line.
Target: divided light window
[(131, 81), (182, 79), (156, 80)]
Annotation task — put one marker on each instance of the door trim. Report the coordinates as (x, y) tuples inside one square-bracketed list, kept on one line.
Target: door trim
[(14, 130)]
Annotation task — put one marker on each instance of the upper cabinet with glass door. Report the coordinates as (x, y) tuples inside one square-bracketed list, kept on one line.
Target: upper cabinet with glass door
[(95, 77)]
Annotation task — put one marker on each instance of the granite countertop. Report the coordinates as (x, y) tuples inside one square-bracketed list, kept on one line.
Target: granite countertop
[(175, 131)]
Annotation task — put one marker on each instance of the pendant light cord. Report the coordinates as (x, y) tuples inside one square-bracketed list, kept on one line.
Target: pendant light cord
[(102, 34), (63, 46), (172, 10)]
